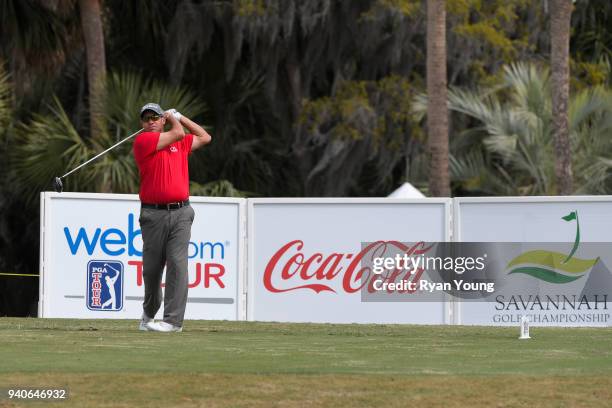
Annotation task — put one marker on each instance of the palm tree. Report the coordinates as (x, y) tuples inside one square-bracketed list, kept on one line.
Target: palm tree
[(50, 143), (510, 151), (93, 33), (437, 111), (561, 12)]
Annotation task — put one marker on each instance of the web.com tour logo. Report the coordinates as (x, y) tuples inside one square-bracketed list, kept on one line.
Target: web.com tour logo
[(105, 285)]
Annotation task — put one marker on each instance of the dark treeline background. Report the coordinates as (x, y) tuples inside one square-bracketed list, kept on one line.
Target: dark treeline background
[(302, 98)]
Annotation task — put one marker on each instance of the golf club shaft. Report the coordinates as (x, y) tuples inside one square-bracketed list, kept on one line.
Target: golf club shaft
[(100, 154)]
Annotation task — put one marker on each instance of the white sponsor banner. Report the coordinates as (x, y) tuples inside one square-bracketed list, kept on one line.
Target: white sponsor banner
[(91, 257), (568, 220), (303, 262)]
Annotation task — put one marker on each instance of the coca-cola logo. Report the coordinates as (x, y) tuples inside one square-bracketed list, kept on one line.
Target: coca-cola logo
[(291, 268)]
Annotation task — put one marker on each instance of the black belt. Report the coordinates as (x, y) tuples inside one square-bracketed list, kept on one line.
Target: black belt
[(169, 206)]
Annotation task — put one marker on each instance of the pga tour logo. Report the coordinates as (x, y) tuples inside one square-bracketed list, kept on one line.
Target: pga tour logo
[(105, 285)]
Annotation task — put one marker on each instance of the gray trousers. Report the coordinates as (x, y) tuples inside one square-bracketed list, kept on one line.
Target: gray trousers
[(165, 237)]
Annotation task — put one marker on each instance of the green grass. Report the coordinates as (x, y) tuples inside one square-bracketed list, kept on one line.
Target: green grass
[(212, 363)]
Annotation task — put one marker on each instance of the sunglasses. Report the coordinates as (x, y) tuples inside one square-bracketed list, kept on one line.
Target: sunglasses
[(147, 118)]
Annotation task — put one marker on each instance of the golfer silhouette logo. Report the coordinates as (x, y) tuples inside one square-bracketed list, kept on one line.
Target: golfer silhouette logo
[(110, 284), (105, 285)]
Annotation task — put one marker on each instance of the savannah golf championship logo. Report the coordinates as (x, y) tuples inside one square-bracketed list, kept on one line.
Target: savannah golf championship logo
[(561, 288), (554, 267), (105, 285)]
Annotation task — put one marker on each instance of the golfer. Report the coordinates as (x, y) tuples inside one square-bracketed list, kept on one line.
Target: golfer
[(165, 214)]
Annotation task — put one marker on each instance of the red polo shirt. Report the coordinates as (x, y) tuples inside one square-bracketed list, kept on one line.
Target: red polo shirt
[(164, 174)]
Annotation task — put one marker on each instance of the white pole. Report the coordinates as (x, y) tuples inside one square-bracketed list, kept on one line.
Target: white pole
[(524, 328)]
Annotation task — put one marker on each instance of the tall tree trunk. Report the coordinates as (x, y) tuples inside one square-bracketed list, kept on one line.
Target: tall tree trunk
[(561, 12), (91, 23), (294, 76), (437, 109)]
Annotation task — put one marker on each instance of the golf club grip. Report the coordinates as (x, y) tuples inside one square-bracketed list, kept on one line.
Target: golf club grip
[(100, 154)]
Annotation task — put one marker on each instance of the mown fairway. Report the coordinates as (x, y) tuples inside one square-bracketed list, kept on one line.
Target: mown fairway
[(212, 363)]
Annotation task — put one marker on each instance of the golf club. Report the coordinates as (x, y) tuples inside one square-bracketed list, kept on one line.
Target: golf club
[(57, 181)]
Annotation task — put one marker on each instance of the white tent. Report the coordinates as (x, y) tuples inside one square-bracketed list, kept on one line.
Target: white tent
[(406, 190)]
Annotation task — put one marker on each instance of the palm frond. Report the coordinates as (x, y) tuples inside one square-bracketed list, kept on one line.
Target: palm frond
[(474, 173), (126, 92), (587, 103), (5, 98), (472, 103), (45, 148), (218, 188)]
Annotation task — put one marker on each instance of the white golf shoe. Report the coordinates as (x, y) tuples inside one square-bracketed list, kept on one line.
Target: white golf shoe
[(147, 324), (167, 327)]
